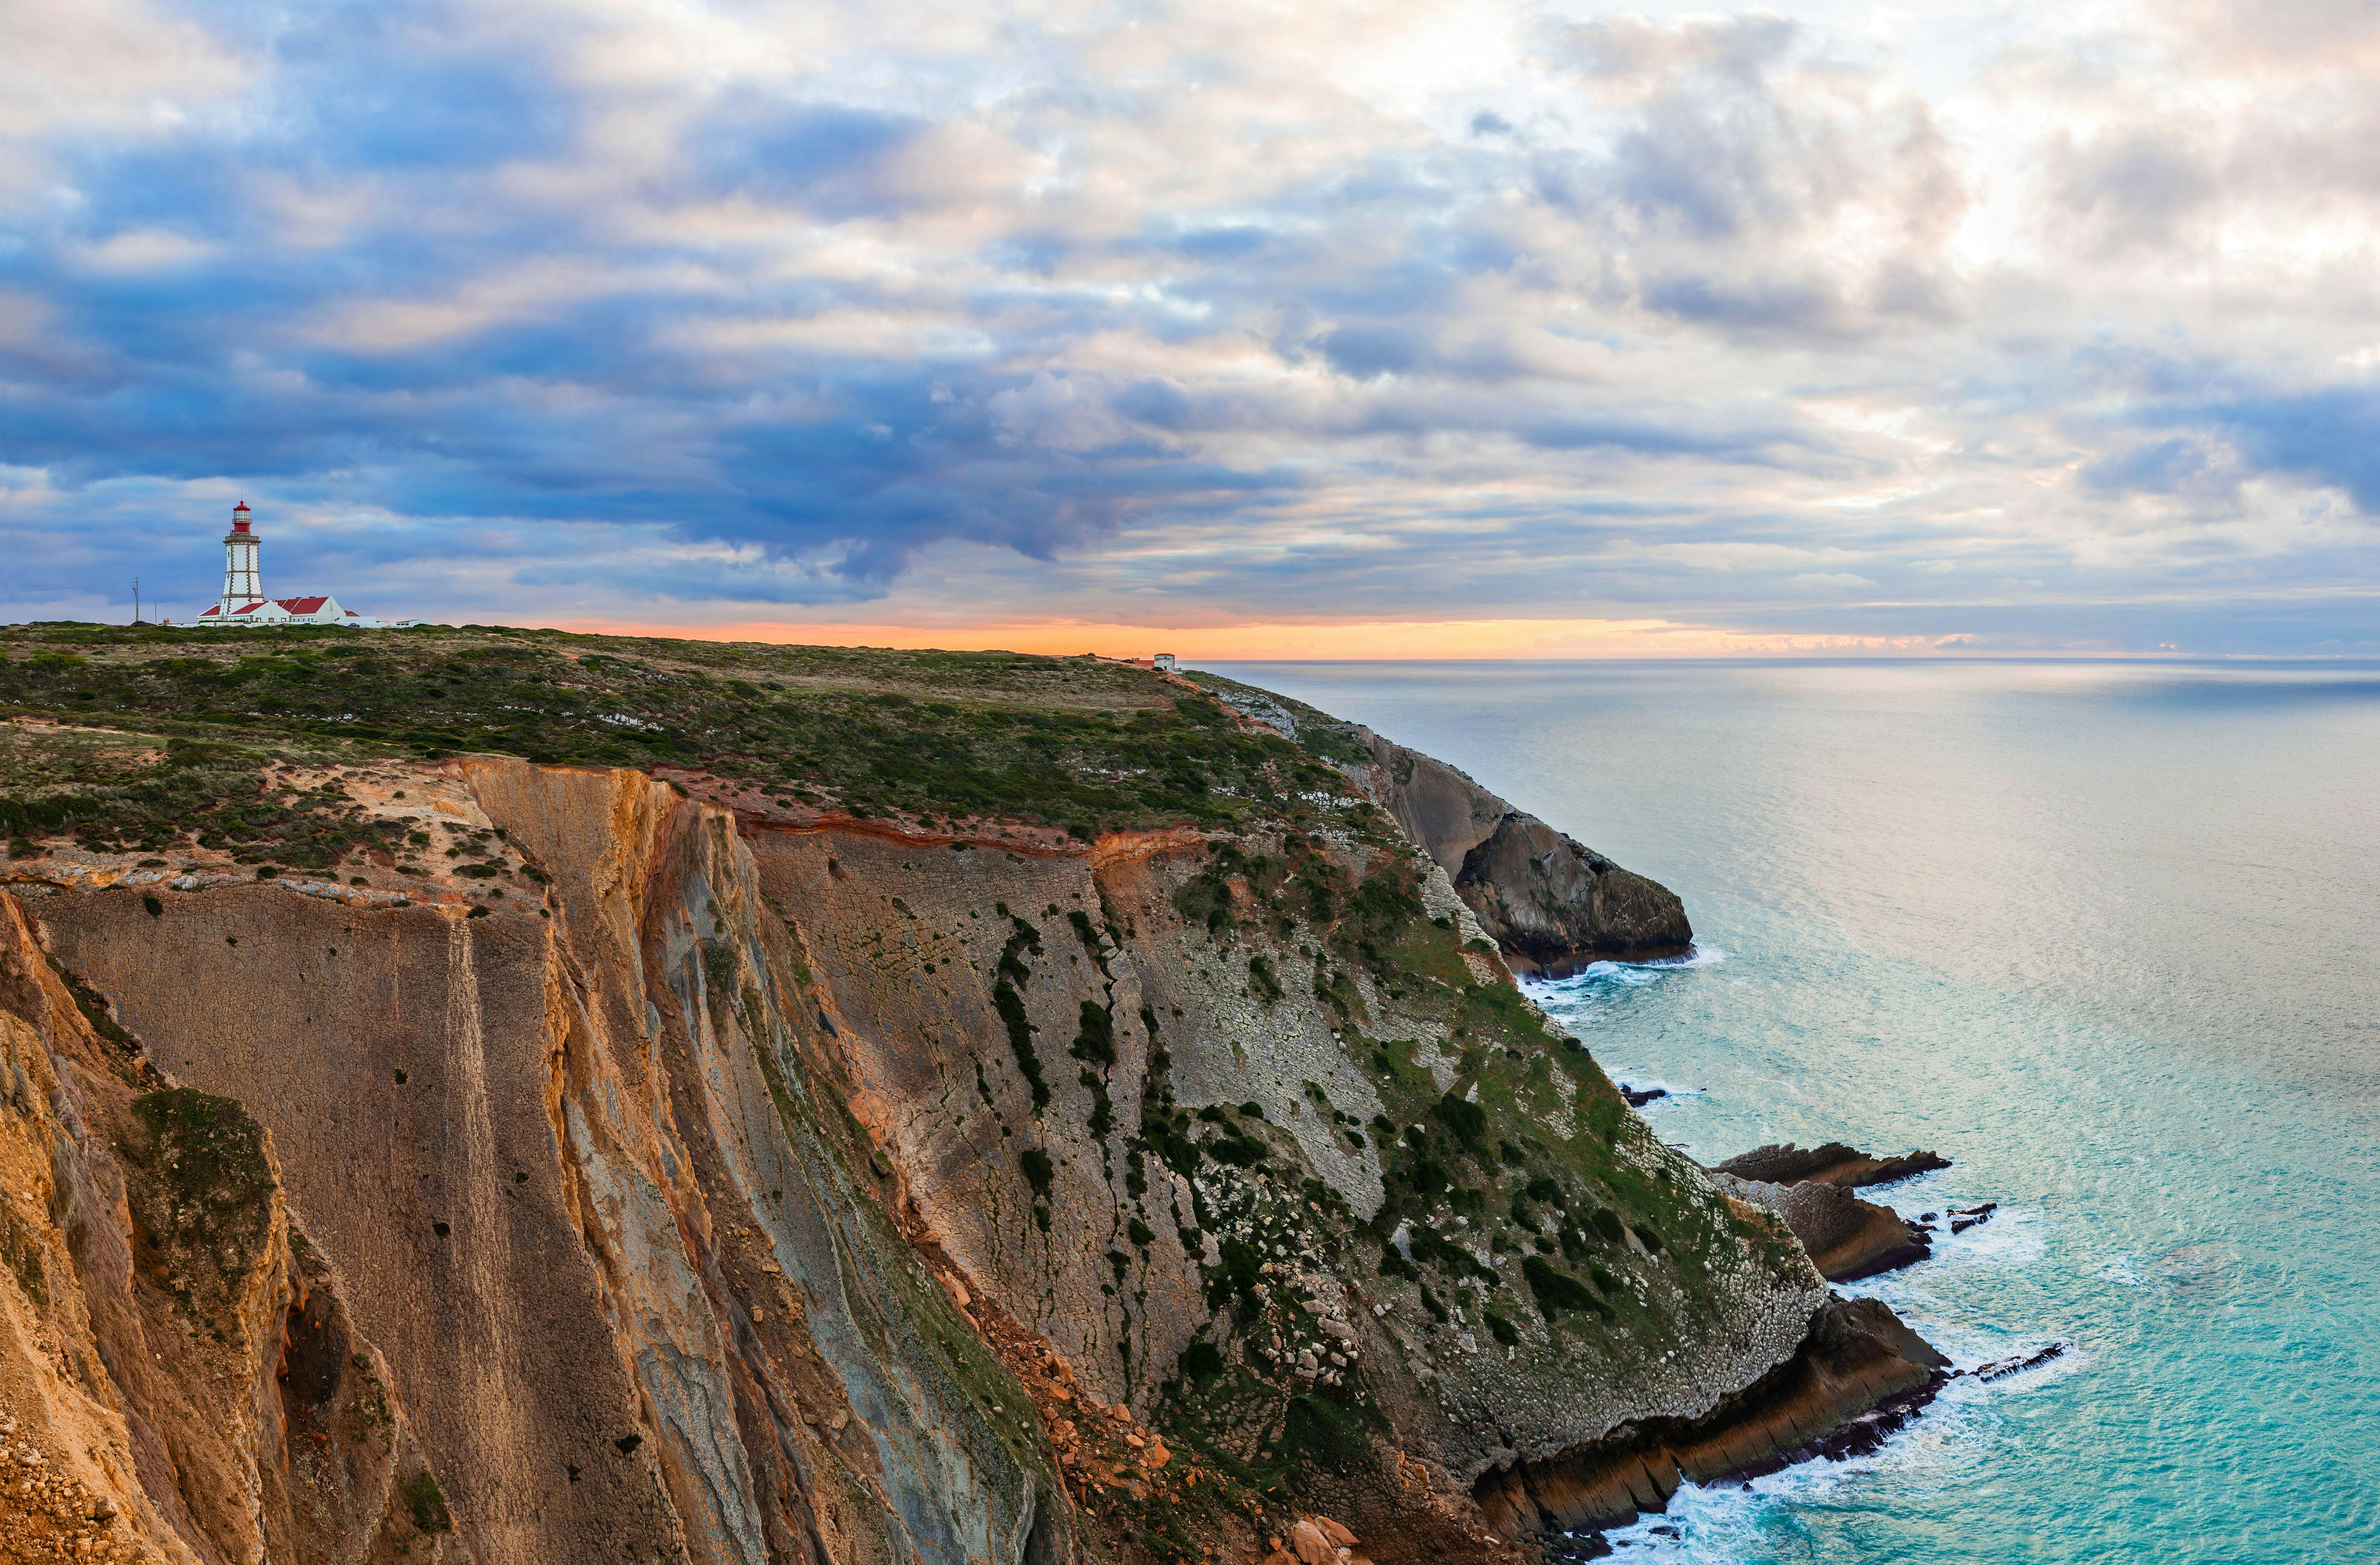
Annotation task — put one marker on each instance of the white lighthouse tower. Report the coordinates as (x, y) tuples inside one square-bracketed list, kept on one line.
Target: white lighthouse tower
[(244, 602), (243, 588)]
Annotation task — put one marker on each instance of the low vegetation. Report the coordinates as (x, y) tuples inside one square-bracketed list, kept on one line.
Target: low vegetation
[(201, 1196), (153, 732)]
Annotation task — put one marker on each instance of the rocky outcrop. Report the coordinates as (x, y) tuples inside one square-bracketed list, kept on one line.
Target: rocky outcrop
[(1552, 904), (1847, 1238), (1833, 1163), (1858, 1375), (1810, 1189)]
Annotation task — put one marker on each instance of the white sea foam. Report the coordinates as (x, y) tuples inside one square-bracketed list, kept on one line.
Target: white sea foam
[(1948, 1445), (1696, 956), (1931, 1295), (2010, 1235), (2011, 1239), (1725, 1523), (1650, 1083), (1622, 974)]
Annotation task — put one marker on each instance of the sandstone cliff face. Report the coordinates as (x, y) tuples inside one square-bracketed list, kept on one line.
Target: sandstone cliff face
[(181, 1379), (755, 1184), (588, 1200)]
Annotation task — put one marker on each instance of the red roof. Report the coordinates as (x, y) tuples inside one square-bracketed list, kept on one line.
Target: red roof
[(211, 608), (250, 608), (303, 605), (238, 508)]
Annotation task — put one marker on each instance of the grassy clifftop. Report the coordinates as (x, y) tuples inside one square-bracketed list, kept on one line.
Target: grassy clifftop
[(1081, 743)]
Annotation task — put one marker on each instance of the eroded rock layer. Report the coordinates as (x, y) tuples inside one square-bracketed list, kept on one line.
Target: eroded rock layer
[(1832, 1163), (1847, 1238), (1858, 1375)]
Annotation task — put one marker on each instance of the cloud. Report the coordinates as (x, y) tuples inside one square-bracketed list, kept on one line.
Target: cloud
[(2158, 465), (2134, 189), (2329, 436), (1435, 308)]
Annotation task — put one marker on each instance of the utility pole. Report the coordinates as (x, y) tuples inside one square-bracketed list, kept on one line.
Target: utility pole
[(135, 600)]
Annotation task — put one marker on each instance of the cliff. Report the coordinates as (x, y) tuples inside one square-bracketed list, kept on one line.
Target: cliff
[(470, 1156)]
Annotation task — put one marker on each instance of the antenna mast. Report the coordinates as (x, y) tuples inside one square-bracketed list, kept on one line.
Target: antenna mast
[(135, 600)]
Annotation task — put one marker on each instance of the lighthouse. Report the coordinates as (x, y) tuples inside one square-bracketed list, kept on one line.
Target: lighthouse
[(244, 602), (242, 586)]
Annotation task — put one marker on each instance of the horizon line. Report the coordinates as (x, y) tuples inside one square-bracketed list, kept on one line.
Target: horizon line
[(1630, 644)]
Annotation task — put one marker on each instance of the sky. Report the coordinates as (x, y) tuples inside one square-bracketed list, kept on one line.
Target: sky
[(1340, 329)]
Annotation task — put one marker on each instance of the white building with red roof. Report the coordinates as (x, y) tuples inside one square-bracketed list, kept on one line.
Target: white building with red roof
[(243, 601)]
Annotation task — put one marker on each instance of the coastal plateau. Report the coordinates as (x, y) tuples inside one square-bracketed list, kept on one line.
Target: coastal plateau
[(515, 1097)]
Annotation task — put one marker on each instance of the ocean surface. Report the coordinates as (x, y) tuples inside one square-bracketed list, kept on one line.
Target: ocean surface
[(2107, 934)]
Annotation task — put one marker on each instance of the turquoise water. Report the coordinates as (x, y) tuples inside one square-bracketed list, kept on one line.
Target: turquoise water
[(2108, 936)]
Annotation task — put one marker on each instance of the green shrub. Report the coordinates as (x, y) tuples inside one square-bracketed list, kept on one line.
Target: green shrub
[(1466, 1119), (1096, 1039), (1242, 1267), (1557, 1291), (1010, 1006), (428, 1505), (1239, 1151), (1200, 1363)]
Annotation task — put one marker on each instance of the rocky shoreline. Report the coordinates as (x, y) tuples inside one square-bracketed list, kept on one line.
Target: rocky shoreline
[(1861, 1373), (1847, 1238)]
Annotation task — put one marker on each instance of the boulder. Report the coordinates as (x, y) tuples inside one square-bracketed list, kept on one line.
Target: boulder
[(1833, 1163), (1847, 1238), (1556, 905)]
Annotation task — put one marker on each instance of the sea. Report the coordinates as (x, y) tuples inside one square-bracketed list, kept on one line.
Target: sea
[(2107, 934)]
